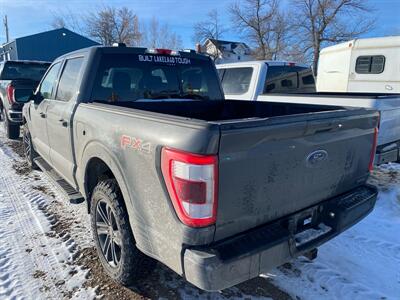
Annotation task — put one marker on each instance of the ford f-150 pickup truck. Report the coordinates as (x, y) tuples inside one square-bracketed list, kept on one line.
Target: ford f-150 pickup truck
[(17, 81), (287, 82), (219, 191)]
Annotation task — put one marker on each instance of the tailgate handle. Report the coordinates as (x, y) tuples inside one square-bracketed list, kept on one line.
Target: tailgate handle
[(318, 128), (323, 129)]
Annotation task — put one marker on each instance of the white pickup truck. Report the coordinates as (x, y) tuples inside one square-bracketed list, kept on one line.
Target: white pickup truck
[(287, 82)]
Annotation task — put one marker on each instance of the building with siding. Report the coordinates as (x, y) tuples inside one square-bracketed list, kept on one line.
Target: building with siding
[(226, 51), (44, 46)]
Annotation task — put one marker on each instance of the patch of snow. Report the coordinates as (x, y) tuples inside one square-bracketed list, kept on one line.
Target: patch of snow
[(35, 262)]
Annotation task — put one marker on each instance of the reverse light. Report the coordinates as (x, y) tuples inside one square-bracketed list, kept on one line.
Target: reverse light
[(192, 182), (373, 150), (10, 90)]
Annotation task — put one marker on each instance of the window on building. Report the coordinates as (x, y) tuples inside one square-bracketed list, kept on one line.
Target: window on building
[(49, 82), (69, 79), (373, 64)]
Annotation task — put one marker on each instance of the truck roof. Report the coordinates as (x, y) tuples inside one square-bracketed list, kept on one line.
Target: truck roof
[(260, 62), (378, 42), (27, 61), (125, 49)]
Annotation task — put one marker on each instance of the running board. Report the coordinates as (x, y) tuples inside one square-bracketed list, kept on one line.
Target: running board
[(73, 195)]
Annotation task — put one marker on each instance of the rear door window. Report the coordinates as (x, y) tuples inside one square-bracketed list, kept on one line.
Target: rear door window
[(236, 81), (67, 87), (49, 81)]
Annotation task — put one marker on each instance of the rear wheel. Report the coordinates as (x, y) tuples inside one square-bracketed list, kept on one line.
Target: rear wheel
[(30, 153), (12, 130), (113, 236)]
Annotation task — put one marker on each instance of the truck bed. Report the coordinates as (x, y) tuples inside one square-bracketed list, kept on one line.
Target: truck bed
[(225, 110), (274, 158)]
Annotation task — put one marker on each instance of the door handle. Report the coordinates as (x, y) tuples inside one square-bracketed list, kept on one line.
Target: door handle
[(63, 122), (43, 115)]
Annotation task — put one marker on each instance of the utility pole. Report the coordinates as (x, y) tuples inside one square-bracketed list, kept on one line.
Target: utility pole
[(6, 28)]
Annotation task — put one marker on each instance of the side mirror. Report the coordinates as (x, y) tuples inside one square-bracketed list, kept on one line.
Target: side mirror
[(36, 97)]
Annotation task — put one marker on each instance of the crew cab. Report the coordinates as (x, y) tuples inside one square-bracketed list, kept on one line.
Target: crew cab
[(288, 82), (219, 191), (17, 81)]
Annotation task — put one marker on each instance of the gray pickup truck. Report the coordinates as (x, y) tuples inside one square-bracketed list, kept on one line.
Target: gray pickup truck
[(17, 81), (219, 191)]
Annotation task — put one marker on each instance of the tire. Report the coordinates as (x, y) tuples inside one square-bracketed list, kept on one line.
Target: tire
[(126, 264), (29, 151), (12, 130)]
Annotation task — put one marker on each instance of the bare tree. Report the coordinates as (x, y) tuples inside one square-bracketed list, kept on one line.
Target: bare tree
[(110, 25), (262, 24), (322, 22), (66, 18), (158, 35), (210, 28)]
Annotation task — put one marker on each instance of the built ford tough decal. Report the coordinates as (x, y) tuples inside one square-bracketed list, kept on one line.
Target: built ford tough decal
[(164, 59)]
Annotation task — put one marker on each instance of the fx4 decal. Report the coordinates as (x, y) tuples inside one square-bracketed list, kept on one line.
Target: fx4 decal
[(135, 144)]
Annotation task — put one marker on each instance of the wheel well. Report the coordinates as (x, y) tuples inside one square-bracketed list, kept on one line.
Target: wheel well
[(96, 171)]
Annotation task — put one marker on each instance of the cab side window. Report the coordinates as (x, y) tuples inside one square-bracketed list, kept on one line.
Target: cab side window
[(50, 81), (69, 79)]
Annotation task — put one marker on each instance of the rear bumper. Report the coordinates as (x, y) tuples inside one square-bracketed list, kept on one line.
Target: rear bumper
[(15, 116), (246, 256), (388, 153)]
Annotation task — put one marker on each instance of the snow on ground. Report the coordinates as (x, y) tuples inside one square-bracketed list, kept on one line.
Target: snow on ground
[(35, 257), (46, 250)]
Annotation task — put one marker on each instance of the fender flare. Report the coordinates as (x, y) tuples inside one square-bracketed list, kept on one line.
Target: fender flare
[(96, 150)]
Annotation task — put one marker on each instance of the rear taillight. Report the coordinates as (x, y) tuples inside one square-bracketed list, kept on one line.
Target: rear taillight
[(10, 94), (192, 182), (373, 150)]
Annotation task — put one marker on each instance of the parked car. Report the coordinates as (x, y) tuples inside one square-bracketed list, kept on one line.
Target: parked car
[(289, 83), (17, 81), (218, 191), (363, 65)]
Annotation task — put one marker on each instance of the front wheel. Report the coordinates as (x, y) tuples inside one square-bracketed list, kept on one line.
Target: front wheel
[(113, 236)]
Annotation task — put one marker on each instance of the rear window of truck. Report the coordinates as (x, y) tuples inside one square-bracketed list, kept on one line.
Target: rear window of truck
[(23, 70), (135, 77), (289, 79), (235, 81)]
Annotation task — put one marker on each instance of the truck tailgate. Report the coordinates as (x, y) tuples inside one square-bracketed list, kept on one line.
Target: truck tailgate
[(23, 89), (270, 168)]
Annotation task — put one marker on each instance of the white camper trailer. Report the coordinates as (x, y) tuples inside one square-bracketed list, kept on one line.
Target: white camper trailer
[(369, 65)]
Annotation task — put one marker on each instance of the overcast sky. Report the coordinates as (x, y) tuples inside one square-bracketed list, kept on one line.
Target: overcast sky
[(32, 16)]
